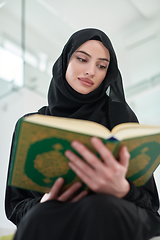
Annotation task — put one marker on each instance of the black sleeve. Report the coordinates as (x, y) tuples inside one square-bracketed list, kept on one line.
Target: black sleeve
[(145, 196), (18, 202)]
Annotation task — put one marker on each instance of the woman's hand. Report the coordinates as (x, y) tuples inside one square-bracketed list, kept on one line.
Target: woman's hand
[(101, 177), (68, 195)]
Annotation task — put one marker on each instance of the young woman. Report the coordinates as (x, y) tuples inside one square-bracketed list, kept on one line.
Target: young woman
[(87, 84)]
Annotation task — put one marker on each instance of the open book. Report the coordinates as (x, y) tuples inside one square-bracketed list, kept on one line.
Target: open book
[(40, 143)]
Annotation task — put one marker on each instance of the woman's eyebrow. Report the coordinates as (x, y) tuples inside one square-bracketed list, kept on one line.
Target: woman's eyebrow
[(103, 59), (84, 53)]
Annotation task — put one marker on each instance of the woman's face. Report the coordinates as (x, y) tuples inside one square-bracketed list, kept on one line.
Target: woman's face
[(88, 66)]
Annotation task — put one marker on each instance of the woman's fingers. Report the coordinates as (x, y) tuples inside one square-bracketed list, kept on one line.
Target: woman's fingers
[(89, 156), (95, 173), (124, 156), (78, 164), (85, 175), (68, 194), (54, 192), (80, 196), (107, 176), (104, 152)]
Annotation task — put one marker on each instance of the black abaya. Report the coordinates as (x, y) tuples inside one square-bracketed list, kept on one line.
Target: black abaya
[(96, 216)]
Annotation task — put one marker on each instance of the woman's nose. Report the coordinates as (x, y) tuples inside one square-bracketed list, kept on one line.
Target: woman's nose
[(90, 70)]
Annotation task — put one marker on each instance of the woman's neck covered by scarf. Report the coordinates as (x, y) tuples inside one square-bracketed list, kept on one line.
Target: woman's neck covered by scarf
[(108, 109)]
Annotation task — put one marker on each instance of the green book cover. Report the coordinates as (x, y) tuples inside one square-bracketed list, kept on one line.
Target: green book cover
[(38, 155)]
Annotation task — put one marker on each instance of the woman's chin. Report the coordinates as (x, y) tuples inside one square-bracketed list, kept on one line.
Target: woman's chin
[(83, 91)]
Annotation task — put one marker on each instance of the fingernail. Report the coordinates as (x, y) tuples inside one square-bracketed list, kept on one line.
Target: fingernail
[(74, 143), (67, 153), (94, 138), (60, 179), (125, 148), (79, 184)]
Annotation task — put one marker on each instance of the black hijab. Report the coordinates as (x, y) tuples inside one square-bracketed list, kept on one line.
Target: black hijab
[(105, 105)]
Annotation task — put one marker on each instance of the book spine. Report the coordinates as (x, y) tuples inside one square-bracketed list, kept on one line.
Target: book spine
[(15, 143)]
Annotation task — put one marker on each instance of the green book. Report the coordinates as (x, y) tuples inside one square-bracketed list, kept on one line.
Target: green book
[(40, 143)]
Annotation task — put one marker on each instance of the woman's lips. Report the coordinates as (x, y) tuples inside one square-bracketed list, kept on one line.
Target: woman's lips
[(86, 81)]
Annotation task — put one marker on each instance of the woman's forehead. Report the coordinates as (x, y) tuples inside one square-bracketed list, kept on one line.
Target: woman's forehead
[(94, 46)]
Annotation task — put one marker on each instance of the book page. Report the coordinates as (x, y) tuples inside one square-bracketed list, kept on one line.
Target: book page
[(69, 124), (130, 130)]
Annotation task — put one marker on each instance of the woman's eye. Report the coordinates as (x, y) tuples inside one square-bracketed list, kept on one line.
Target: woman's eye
[(81, 59), (102, 66)]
